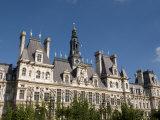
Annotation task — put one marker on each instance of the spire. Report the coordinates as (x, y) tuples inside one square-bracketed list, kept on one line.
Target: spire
[(74, 31), (75, 56)]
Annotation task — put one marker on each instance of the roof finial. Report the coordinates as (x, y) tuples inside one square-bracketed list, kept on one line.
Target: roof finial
[(31, 33)]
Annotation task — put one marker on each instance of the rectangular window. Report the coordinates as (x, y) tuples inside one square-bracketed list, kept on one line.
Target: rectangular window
[(82, 95), (46, 96), (75, 94), (21, 94), (131, 89), (103, 98), (90, 97), (67, 96), (144, 105), (97, 98), (112, 101), (39, 58), (58, 95), (118, 102), (147, 105), (36, 96)]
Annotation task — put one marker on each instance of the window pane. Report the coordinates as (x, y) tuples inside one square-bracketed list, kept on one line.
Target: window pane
[(67, 96), (58, 95), (39, 57), (90, 97), (82, 95), (24, 72), (36, 96), (38, 74), (75, 94), (21, 94), (112, 101), (46, 96), (97, 98)]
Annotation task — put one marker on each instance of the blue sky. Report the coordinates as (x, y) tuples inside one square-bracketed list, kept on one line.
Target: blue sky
[(129, 28)]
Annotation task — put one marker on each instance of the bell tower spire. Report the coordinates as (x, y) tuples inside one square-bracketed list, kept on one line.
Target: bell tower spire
[(74, 57)]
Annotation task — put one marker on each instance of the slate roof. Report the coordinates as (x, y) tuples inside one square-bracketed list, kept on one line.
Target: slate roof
[(60, 66), (106, 65), (63, 64), (29, 51), (6, 67)]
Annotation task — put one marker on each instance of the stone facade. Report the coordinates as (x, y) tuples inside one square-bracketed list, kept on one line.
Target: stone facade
[(36, 79)]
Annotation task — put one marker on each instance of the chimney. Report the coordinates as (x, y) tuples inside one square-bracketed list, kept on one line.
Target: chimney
[(114, 59), (98, 56), (22, 41), (139, 77), (47, 45)]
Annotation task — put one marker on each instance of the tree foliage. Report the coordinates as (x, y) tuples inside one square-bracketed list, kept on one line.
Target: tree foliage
[(77, 110), (155, 114)]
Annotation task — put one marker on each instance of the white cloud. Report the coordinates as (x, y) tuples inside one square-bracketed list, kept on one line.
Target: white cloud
[(157, 59)]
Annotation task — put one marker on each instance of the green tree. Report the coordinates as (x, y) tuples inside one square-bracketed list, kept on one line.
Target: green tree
[(30, 112), (40, 112), (155, 114), (8, 113)]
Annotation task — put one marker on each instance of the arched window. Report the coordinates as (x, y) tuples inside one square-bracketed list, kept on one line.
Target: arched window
[(47, 75), (117, 85), (38, 74), (24, 72), (126, 86), (157, 92), (111, 85)]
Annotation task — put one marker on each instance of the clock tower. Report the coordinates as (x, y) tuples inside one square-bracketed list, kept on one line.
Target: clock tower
[(74, 56)]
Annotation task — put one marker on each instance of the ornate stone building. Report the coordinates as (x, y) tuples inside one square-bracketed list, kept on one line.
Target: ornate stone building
[(35, 78)]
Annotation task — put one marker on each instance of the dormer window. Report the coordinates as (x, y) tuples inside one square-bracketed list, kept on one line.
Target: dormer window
[(66, 77), (39, 56), (24, 72), (1, 75)]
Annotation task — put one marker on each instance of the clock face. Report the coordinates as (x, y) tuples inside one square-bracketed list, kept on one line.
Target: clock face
[(77, 61)]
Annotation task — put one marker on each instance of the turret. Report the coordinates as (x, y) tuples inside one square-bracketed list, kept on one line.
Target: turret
[(98, 56), (22, 41), (47, 42)]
